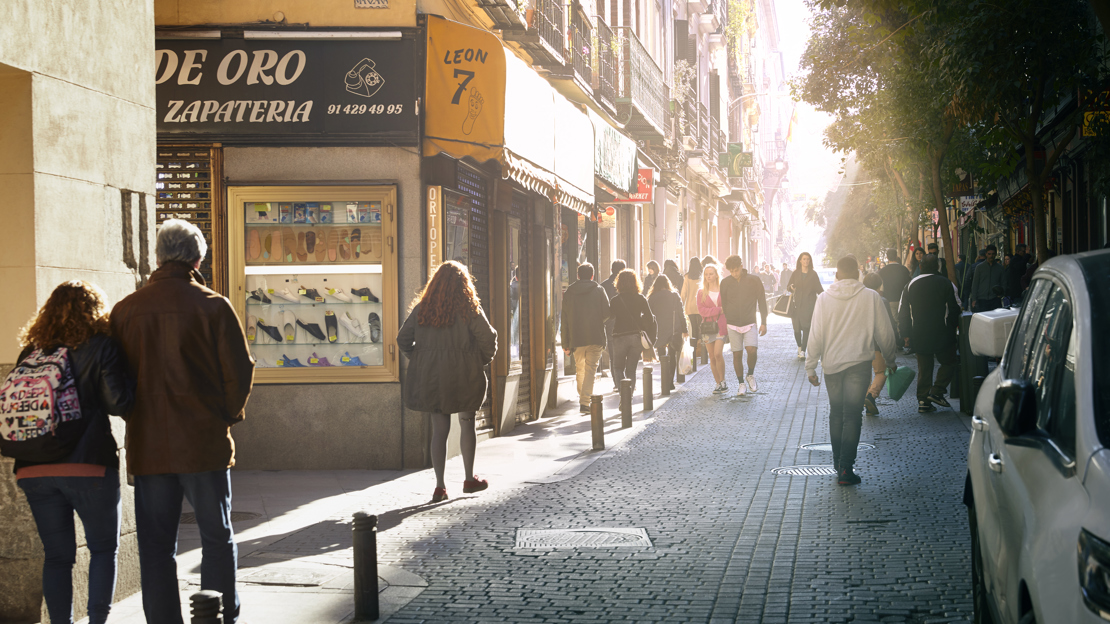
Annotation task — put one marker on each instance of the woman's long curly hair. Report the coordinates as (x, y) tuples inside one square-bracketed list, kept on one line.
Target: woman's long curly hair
[(449, 294), (74, 312)]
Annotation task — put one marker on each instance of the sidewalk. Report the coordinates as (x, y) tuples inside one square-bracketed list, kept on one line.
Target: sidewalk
[(294, 535)]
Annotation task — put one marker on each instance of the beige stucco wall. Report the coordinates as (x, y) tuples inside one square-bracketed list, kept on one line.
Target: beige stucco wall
[(77, 145), (317, 13)]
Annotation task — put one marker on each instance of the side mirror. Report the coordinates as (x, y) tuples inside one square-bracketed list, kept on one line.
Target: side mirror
[(1015, 407)]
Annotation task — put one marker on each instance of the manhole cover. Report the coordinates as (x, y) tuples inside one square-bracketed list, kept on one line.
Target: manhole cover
[(236, 516), (290, 577), (582, 538), (827, 446), (805, 471)]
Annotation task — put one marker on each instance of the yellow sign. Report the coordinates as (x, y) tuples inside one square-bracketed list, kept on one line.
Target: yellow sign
[(465, 93), (1095, 122), (435, 228)]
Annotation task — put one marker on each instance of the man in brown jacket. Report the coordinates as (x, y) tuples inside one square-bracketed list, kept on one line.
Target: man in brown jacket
[(194, 372)]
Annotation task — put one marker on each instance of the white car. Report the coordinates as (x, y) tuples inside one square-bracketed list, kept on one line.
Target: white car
[(1038, 484)]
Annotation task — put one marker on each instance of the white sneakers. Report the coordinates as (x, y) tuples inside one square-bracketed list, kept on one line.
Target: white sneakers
[(742, 390), (286, 295), (750, 379), (342, 296), (801, 353), (351, 325)]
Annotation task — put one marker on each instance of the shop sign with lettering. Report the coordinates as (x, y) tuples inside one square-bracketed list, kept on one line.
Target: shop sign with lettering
[(645, 181), (234, 87), (606, 217), (435, 228)]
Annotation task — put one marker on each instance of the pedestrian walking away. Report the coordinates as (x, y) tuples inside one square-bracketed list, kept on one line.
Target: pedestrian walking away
[(449, 343), (632, 315), (929, 316), (804, 285), (585, 312), (671, 270), (78, 471), (878, 364), (742, 295), (988, 275), (849, 321), (194, 374), (671, 327), (709, 306), (610, 286), (691, 283)]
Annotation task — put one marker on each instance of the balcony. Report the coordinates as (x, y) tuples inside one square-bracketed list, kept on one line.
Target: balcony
[(544, 36), (690, 125), (711, 16), (605, 70), (506, 14), (641, 93), (703, 128), (580, 36)]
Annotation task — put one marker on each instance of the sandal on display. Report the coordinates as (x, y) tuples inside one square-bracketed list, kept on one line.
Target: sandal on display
[(302, 251), (289, 324), (286, 295), (252, 329), (375, 324), (289, 242), (331, 325), (356, 240), (269, 330), (311, 293), (333, 245), (291, 362), (319, 361), (266, 245), (254, 245), (344, 245), (349, 360), (260, 362), (340, 295), (313, 329), (365, 292), (278, 254), (259, 295), (351, 325), (310, 242)]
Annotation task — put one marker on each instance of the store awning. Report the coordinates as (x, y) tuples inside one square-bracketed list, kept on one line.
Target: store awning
[(485, 103)]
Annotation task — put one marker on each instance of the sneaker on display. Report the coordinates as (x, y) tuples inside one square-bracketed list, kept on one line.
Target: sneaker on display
[(342, 296), (750, 379), (348, 322)]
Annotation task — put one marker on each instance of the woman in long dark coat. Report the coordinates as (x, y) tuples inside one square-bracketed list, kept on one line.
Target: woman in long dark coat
[(805, 286), (670, 326), (449, 342)]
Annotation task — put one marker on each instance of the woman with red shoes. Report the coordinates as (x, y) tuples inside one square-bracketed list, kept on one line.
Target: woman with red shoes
[(449, 342)]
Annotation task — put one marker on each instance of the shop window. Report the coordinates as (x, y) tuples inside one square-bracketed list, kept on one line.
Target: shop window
[(314, 277), (187, 189)]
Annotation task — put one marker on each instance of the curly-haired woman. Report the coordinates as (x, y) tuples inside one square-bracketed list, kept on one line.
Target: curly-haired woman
[(86, 479), (449, 342), (633, 315)]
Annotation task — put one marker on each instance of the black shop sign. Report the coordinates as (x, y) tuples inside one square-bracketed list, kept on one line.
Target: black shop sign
[(256, 89)]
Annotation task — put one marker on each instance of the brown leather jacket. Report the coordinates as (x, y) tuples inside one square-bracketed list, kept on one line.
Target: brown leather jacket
[(193, 372)]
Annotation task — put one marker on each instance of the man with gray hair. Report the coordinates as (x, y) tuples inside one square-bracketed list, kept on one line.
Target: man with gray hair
[(194, 372)]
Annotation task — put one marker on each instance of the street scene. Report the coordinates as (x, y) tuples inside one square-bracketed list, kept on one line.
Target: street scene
[(554, 311)]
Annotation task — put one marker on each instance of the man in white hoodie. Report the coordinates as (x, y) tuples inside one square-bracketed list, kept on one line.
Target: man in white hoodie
[(849, 325)]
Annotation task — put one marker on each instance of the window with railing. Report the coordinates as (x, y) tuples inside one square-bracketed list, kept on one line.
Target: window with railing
[(639, 80), (690, 106), (703, 123), (606, 86), (581, 44), (548, 21)]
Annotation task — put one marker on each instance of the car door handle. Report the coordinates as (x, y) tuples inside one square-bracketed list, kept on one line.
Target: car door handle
[(979, 424), (995, 462)]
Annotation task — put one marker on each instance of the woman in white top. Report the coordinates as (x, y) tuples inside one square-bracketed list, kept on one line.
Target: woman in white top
[(709, 306)]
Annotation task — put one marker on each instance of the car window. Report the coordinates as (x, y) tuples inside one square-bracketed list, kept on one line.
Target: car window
[(1047, 367), (1096, 266), (1015, 361)]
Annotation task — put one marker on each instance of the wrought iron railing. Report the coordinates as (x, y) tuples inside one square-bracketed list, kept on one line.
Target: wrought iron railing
[(606, 55), (548, 21), (639, 80), (703, 125), (690, 110), (581, 44)]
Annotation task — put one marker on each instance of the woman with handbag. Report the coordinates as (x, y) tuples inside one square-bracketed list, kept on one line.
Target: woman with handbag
[(634, 327), (449, 342), (713, 329), (671, 327), (804, 287), (85, 476)]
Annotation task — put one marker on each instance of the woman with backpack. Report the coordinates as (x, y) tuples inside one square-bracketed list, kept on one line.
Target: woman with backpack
[(671, 327), (632, 316), (709, 305), (449, 342), (67, 459)]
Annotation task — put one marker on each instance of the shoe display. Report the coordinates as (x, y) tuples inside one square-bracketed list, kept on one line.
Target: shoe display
[(939, 400), (365, 292), (289, 324), (869, 405), (311, 293), (290, 362), (313, 330), (286, 295), (251, 328), (439, 495), (349, 360), (270, 331), (474, 485), (332, 326), (924, 406), (350, 324), (340, 295), (752, 386), (375, 325), (316, 360), (742, 391), (259, 294), (848, 477), (261, 362)]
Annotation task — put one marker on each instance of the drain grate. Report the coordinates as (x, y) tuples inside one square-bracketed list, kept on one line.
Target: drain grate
[(804, 471), (583, 538), (827, 446), (236, 516)]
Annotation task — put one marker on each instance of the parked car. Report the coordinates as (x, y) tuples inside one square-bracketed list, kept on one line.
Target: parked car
[(1038, 483)]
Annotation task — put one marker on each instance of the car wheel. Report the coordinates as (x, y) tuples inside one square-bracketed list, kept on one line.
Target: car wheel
[(980, 609)]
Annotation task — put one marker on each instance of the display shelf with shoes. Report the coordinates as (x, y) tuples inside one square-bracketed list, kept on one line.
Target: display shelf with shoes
[(315, 270)]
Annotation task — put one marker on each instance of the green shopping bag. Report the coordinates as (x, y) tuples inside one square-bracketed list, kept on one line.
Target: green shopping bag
[(899, 382)]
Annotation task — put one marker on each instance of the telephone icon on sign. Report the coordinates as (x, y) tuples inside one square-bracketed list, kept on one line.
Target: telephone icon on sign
[(363, 80)]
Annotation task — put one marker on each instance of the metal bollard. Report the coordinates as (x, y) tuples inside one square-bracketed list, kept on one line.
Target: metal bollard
[(205, 606), (597, 422), (649, 398), (626, 403), (667, 363), (365, 540), (694, 359)]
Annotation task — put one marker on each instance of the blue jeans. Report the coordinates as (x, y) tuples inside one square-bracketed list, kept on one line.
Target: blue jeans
[(157, 514), (97, 501), (846, 391)]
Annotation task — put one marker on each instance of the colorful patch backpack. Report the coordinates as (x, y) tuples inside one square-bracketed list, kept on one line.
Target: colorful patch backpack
[(40, 412)]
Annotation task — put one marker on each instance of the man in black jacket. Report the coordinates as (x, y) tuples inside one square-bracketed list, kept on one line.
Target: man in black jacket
[(942, 268), (742, 294), (929, 316), (895, 277), (610, 286), (585, 312)]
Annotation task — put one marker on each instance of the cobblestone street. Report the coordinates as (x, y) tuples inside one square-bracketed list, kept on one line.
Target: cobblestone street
[(730, 540)]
